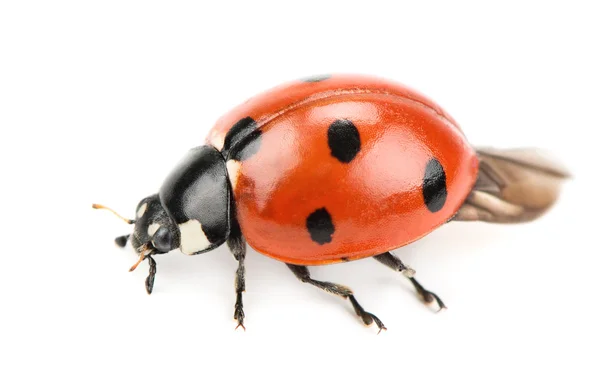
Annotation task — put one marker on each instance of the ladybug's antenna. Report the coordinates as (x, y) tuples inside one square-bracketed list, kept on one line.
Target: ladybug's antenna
[(100, 207)]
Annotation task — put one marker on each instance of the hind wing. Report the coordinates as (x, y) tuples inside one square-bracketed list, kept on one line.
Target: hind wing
[(514, 185)]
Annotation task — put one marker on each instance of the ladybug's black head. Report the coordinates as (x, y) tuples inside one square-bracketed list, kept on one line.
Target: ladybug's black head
[(155, 231)]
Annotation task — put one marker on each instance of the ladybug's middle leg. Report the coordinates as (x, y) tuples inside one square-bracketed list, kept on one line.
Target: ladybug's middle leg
[(396, 264), (303, 274)]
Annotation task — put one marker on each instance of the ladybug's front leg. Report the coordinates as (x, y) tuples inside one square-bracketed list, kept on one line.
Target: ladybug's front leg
[(151, 274), (121, 241), (237, 246), (240, 287), (396, 264)]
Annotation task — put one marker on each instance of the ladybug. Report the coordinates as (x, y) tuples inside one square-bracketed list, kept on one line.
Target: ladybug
[(332, 169)]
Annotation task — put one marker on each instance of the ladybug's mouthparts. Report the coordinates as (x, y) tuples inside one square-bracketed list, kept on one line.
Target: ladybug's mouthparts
[(145, 252)]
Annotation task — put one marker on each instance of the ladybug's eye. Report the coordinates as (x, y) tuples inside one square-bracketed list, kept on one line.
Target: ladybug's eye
[(163, 240)]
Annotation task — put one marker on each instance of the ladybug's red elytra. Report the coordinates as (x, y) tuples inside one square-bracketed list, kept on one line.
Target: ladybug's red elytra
[(333, 169)]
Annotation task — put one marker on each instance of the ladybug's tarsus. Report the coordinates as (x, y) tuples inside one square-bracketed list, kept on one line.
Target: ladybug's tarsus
[(237, 246), (151, 274), (238, 314), (368, 318), (396, 264), (303, 274), (427, 296)]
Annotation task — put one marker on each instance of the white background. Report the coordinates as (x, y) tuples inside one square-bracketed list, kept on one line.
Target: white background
[(98, 100)]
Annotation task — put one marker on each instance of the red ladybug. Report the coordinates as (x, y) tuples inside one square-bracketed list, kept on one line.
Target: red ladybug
[(333, 169)]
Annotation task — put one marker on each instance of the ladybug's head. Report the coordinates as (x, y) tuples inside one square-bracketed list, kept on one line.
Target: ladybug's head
[(154, 231)]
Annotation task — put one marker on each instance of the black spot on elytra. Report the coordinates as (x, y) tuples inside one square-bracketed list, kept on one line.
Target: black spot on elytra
[(316, 78), (434, 186), (320, 226), (242, 140), (239, 131), (246, 147), (343, 140), (345, 259)]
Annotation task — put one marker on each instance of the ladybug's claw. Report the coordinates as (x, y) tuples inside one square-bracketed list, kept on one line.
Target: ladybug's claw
[(427, 296), (367, 318), (238, 313), (378, 323), (239, 316)]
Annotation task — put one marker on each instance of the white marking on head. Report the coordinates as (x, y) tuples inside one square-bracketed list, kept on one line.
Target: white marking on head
[(193, 238), (142, 210), (153, 228), (233, 169)]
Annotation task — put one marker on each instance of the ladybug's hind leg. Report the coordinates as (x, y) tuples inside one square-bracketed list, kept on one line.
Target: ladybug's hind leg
[(396, 264), (303, 275)]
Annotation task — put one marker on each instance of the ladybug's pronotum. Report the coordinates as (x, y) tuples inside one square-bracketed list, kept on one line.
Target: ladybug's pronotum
[(334, 169)]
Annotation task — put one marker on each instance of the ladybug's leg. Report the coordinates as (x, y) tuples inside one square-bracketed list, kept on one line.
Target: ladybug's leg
[(396, 264), (427, 296), (237, 246), (151, 274), (303, 274), (240, 287)]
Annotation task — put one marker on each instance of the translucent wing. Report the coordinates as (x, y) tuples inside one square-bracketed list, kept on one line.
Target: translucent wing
[(514, 185)]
